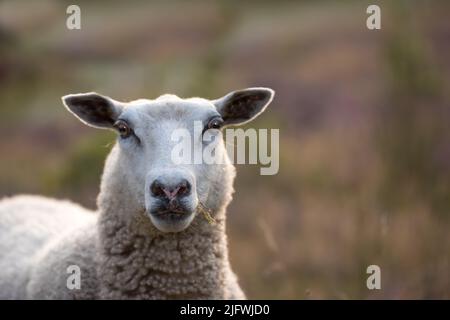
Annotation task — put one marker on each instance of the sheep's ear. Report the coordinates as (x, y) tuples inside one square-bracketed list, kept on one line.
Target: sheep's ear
[(93, 109), (241, 106)]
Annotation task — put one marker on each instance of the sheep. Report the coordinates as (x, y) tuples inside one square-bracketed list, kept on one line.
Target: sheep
[(148, 238)]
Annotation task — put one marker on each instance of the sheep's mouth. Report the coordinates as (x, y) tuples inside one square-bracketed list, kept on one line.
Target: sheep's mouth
[(171, 220), (176, 210), (171, 215)]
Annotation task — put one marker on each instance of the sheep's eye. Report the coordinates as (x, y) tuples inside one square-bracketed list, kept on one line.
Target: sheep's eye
[(123, 129), (214, 123)]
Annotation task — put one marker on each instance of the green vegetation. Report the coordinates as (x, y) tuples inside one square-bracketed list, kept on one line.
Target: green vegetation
[(363, 116)]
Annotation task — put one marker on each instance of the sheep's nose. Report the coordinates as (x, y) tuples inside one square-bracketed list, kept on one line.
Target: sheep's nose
[(170, 191)]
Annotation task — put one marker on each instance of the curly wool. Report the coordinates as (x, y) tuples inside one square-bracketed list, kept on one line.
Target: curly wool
[(118, 251), (121, 255), (119, 258), (139, 262)]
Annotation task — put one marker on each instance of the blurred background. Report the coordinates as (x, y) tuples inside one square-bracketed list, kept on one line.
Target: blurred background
[(363, 116)]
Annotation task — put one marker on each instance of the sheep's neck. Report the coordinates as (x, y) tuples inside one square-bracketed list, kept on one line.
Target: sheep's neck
[(140, 262)]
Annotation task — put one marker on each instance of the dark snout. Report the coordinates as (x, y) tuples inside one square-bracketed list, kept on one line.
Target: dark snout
[(171, 194), (171, 199)]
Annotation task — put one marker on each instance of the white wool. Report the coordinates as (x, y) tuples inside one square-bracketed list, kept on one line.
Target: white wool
[(120, 253)]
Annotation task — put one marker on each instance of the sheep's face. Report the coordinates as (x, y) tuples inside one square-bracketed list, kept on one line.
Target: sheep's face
[(162, 148)]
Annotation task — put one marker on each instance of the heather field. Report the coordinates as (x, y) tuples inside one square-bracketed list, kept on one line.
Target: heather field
[(364, 120)]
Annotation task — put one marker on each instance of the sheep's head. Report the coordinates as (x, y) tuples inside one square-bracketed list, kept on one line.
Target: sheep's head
[(152, 133)]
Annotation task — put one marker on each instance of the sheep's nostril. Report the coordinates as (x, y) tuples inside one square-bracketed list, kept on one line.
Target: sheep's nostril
[(161, 190), (157, 189), (184, 188)]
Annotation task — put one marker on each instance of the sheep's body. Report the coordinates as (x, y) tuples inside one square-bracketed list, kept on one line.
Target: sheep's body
[(121, 255), (137, 245), (29, 227), (40, 238)]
